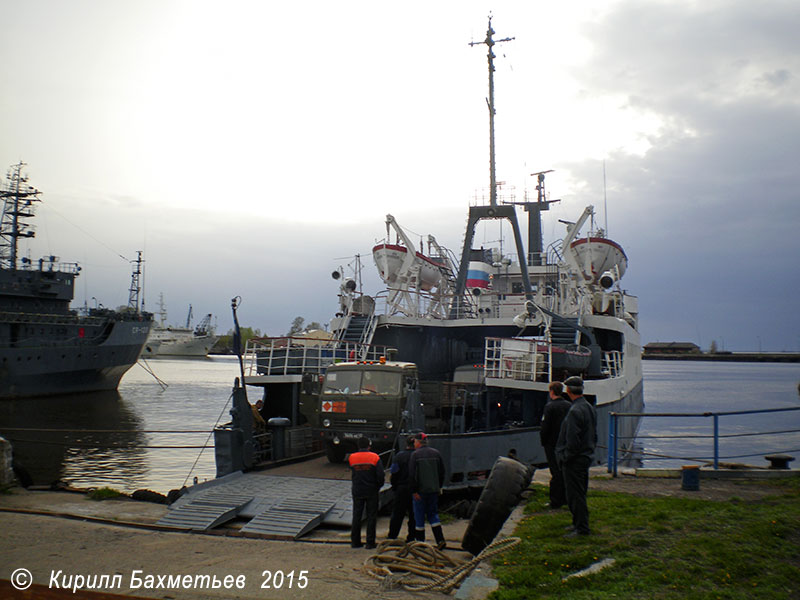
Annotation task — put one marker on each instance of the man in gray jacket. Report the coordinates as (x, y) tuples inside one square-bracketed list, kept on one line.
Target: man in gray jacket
[(575, 449)]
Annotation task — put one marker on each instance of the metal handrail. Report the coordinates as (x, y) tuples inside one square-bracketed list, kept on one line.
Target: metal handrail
[(613, 432)]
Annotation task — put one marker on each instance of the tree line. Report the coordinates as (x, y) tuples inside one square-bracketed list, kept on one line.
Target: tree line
[(224, 344)]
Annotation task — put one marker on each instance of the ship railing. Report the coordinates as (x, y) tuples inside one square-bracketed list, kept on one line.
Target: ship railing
[(484, 304), (296, 356), (517, 359), (612, 363), (739, 429)]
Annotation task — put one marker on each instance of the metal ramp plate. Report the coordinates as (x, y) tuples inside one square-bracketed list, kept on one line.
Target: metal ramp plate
[(206, 511), (291, 518)]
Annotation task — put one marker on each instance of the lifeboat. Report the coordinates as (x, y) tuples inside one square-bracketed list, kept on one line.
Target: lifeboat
[(389, 259), (599, 255)]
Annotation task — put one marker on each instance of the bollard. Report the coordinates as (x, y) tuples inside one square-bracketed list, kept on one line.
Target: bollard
[(779, 461), (690, 478)]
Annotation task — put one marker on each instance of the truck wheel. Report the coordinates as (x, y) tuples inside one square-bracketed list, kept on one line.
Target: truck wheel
[(503, 490), (334, 452)]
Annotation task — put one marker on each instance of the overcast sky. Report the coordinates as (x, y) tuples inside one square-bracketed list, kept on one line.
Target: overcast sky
[(250, 148)]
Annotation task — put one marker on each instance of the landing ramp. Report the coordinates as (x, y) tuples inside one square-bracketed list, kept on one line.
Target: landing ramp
[(278, 506)]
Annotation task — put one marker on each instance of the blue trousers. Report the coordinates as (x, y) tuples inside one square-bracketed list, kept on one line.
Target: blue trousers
[(426, 507)]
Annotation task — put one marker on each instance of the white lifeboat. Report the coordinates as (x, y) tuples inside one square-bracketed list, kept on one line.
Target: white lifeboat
[(389, 259), (599, 255)]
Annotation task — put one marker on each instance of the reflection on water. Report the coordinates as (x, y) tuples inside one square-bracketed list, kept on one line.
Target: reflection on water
[(51, 445), (135, 438)]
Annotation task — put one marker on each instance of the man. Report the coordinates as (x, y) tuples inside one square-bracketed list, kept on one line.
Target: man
[(575, 448), (554, 412), (401, 485), (426, 472), (368, 478)]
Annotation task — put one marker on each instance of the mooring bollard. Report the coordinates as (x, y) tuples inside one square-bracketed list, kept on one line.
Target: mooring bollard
[(690, 479), (779, 461)]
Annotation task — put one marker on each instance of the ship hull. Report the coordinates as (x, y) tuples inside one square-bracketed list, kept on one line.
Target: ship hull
[(193, 346), (63, 368)]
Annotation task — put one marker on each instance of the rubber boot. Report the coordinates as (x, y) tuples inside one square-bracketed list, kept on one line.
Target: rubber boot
[(439, 535), (420, 535)]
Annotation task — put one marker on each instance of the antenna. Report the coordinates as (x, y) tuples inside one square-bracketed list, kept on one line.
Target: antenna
[(490, 42), (605, 197), (133, 292)]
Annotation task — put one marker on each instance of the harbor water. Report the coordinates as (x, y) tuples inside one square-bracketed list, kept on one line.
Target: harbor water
[(146, 437)]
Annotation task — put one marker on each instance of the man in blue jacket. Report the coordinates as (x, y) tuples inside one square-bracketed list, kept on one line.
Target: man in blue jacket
[(426, 471), (575, 449), (368, 478)]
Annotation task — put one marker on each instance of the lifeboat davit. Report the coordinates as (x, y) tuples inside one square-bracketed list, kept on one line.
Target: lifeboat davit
[(389, 259), (598, 255)]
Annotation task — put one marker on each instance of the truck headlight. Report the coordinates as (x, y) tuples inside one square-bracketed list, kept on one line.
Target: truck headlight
[(389, 424), (326, 422)]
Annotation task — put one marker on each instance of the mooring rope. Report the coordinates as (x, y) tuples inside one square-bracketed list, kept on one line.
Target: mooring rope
[(420, 567)]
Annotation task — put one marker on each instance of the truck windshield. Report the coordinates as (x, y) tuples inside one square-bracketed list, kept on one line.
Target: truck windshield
[(363, 382)]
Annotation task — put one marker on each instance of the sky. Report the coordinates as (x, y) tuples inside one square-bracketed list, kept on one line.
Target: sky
[(251, 148)]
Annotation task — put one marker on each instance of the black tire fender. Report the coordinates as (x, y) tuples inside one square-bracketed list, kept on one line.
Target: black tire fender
[(502, 492)]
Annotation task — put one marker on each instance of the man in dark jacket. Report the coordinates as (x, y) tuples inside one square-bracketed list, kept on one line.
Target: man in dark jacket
[(554, 412), (401, 486), (368, 478), (426, 472), (574, 450)]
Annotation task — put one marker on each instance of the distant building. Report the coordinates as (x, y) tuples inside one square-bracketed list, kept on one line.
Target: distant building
[(656, 348)]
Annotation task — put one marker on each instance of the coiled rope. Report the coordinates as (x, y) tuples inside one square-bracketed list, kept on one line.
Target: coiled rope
[(412, 566)]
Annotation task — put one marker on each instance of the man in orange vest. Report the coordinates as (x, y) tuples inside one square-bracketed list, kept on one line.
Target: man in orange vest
[(368, 478)]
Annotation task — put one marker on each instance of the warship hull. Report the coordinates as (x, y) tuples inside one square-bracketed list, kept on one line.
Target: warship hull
[(41, 370)]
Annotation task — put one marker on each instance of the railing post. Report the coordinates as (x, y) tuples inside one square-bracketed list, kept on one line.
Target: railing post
[(612, 418), (716, 442), (616, 439)]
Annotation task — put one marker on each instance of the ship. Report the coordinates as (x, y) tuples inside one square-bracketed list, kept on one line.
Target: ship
[(488, 331), (46, 348), (165, 340)]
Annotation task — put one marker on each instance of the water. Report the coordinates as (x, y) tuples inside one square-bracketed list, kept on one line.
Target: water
[(697, 387), (134, 457)]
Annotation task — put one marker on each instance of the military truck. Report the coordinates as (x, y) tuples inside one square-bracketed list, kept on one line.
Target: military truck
[(377, 399)]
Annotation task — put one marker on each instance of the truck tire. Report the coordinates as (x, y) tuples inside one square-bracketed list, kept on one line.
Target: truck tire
[(503, 490), (334, 452)]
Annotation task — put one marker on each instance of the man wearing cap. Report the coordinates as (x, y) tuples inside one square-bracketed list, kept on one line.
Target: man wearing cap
[(426, 472), (368, 478), (554, 412), (574, 450)]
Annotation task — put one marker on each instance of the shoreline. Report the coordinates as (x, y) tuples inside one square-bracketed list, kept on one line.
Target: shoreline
[(761, 357)]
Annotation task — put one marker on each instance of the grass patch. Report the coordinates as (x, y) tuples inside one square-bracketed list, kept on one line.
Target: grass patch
[(104, 493), (665, 548)]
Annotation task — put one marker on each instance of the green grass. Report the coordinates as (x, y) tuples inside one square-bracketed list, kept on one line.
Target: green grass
[(104, 493), (664, 548)]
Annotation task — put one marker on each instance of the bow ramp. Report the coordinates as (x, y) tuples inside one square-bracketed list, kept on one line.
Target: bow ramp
[(278, 507)]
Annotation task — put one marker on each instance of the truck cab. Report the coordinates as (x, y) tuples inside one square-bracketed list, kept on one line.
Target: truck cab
[(376, 399)]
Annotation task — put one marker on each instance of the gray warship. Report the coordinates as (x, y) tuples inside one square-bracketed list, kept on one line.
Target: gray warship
[(46, 348)]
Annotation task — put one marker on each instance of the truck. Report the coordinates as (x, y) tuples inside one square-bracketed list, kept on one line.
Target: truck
[(376, 399)]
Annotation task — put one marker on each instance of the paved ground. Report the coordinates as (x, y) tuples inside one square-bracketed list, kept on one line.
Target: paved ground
[(62, 541)]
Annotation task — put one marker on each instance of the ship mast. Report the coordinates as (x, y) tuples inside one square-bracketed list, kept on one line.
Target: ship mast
[(491, 211), (490, 42), (18, 199)]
